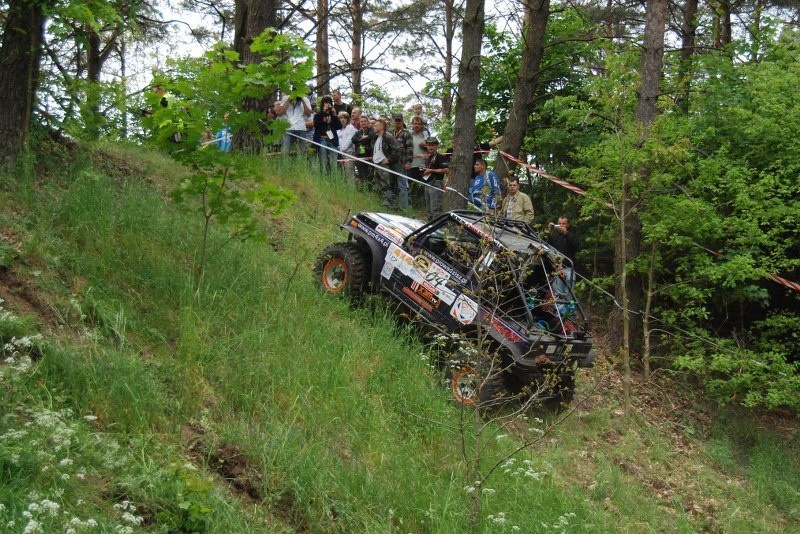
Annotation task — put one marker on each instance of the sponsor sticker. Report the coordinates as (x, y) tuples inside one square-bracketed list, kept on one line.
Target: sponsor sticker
[(390, 233), (399, 259), (425, 293), (445, 268), (380, 238), (387, 270), (422, 271), (464, 309), (416, 298), (501, 327), (422, 263)]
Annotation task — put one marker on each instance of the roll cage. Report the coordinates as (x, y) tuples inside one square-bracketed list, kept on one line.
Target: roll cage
[(508, 262)]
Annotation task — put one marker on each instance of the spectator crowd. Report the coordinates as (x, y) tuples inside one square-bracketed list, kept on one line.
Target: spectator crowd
[(377, 151)]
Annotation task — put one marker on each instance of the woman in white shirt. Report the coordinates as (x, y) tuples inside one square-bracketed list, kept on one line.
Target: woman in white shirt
[(346, 143)]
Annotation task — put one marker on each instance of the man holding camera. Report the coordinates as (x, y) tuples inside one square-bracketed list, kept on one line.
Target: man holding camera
[(293, 109), (565, 242), (326, 133)]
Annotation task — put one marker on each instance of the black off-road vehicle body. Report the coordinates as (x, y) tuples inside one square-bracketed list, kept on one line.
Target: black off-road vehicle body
[(475, 276)]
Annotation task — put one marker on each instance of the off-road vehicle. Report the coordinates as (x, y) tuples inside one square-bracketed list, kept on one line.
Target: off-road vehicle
[(492, 281)]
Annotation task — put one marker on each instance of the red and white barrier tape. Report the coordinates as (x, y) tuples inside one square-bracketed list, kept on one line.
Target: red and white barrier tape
[(540, 172)]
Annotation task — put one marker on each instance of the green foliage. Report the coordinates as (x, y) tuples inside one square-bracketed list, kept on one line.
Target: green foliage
[(187, 504), (739, 375), (718, 203), (198, 93), (14, 327)]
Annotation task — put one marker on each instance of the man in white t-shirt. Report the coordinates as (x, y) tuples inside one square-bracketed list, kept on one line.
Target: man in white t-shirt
[(294, 111)]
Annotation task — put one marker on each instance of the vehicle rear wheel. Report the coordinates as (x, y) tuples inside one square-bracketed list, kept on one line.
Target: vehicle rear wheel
[(343, 268), (561, 392)]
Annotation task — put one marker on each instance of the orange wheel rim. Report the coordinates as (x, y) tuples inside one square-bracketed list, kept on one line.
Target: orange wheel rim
[(465, 388), (334, 275)]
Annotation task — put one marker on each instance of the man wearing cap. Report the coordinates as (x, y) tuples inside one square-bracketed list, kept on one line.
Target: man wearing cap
[(403, 138), (435, 174)]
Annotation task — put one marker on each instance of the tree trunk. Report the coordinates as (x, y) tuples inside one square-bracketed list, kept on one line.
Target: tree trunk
[(20, 53), (688, 40), (648, 305), (536, 15), (756, 33), (624, 297), (96, 56), (652, 62), (450, 33), (323, 62), (91, 110), (357, 11), (252, 18), (123, 101), (721, 27), (629, 232), (469, 76)]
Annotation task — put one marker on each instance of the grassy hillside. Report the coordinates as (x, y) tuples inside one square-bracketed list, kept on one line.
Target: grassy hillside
[(132, 402)]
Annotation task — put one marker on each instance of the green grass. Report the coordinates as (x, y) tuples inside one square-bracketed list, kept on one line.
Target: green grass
[(330, 414)]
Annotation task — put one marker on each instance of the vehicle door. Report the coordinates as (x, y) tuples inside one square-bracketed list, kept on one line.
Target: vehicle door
[(438, 280)]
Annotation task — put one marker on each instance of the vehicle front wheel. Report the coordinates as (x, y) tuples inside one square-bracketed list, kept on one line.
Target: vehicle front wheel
[(343, 268), (470, 389)]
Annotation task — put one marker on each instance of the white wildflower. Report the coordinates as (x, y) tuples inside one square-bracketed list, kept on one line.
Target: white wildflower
[(498, 519), (66, 462), (487, 491), (90, 417), (32, 527), (49, 507), (64, 476), (132, 519)]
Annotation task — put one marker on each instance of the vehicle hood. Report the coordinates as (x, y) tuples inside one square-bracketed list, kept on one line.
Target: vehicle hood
[(394, 226)]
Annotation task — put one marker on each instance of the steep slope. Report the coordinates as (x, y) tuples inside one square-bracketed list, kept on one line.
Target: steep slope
[(254, 403)]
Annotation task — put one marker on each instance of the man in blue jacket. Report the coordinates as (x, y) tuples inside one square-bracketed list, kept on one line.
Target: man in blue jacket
[(485, 189)]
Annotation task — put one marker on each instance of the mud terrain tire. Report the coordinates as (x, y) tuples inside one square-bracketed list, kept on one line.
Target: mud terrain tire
[(343, 269), (469, 389)]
